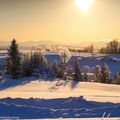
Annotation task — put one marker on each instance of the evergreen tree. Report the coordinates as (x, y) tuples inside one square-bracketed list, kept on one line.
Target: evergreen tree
[(13, 63), (8, 65), (37, 63), (77, 71), (105, 78)]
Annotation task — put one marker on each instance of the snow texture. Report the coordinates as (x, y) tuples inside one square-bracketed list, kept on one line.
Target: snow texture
[(73, 107)]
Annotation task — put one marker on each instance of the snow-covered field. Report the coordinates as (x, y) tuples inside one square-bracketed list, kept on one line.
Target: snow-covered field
[(36, 98), (73, 107), (66, 99), (63, 89)]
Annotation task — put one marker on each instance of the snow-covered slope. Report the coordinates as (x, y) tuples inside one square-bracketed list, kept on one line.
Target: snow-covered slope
[(64, 89), (73, 107), (31, 98)]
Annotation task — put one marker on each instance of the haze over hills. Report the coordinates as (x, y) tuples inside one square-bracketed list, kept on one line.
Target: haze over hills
[(32, 44)]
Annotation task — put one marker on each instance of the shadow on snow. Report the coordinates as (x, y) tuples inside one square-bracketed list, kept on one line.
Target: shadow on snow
[(73, 107)]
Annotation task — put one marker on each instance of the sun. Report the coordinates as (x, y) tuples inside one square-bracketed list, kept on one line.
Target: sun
[(84, 4)]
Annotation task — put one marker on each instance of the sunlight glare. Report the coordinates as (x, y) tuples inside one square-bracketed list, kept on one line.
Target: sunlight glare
[(84, 4)]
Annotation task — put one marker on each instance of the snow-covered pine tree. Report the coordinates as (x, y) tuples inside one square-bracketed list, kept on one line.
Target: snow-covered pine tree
[(77, 71), (97, 73), (64, 57), (13, 61), (86, 69), (105, 78)]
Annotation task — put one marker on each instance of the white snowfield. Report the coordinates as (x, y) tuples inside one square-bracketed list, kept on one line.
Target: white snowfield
[(64, 89), (59, 99)]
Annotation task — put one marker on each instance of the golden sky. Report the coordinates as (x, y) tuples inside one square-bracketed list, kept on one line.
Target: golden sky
[(59, 20)]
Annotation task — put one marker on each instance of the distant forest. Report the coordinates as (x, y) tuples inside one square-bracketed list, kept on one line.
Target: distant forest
[(112, 47)]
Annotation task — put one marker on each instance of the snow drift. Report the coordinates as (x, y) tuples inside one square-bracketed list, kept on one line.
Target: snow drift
[(73, 107)]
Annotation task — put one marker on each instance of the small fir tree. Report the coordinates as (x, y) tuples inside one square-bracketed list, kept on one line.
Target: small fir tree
[(105, 74), (13, 61)]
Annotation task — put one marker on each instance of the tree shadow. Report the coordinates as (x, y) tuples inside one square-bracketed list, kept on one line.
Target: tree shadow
[(10, 83), (58, 84), (74, 84)]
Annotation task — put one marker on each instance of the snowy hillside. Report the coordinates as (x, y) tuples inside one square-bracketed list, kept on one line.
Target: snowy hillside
[(66, 99), (31, 98), (62, 89)]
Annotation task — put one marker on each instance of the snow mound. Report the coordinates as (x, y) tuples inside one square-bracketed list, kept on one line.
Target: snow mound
[(73, 107)]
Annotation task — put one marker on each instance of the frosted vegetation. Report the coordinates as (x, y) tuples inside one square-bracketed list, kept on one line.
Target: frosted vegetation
[(62, 64), (59, 83)]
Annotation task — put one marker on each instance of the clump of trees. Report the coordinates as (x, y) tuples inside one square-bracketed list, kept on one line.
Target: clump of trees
[(102, 74), (19, 65), (31, 64), (34, 64), (88, 49), (112, 47)]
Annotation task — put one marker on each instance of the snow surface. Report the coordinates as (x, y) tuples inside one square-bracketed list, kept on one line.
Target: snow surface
[(73, 107), (113, 62), (60, 89), (54, 98), (34, 98)]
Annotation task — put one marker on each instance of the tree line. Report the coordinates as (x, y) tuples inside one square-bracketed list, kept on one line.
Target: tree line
[(34, 64), (113, 47), (19, 65)]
